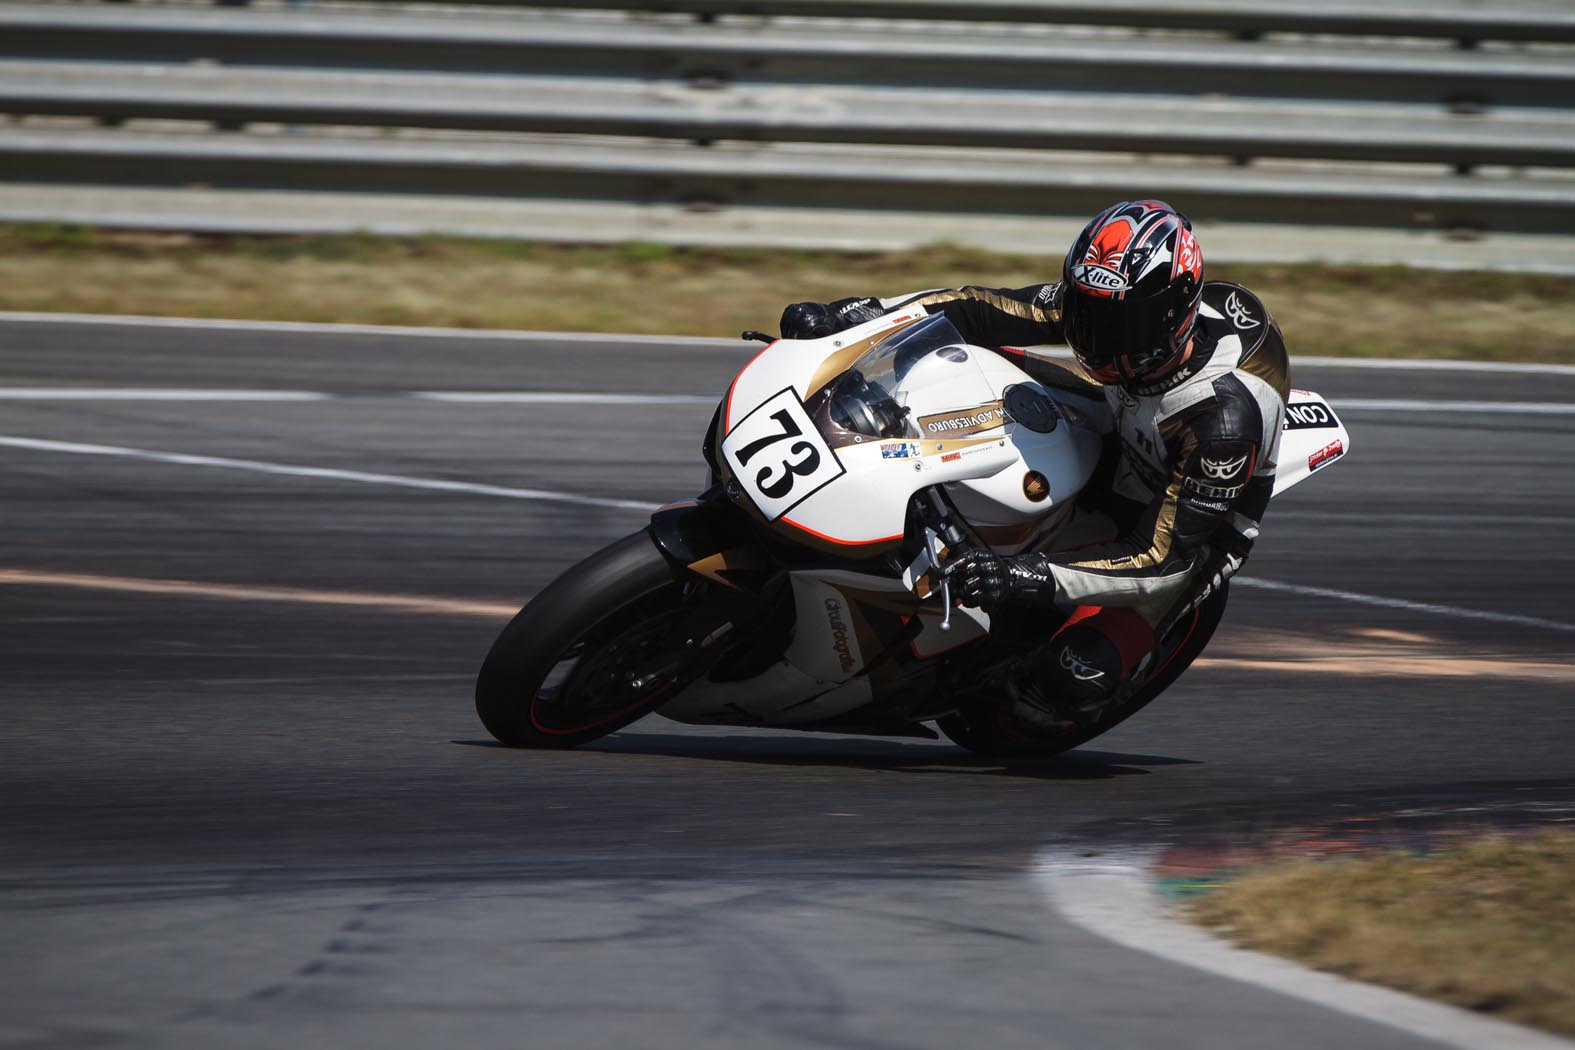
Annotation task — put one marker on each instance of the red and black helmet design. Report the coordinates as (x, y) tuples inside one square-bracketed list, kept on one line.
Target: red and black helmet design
[(1131, 285)]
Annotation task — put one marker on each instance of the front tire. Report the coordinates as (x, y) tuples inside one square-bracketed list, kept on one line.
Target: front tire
[(559, 675)]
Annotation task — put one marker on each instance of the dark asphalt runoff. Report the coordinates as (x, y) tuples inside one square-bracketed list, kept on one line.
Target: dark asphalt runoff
[(269, 818)]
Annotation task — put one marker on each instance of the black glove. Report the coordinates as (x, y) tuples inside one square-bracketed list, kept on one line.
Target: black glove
[(806, 321), (985, 579), (846, 313), (811, 320)]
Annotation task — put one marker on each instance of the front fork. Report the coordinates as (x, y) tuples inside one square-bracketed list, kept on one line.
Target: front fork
[(734, 585)]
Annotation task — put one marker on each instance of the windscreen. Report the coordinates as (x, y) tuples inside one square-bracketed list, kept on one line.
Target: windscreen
[(874, 397)]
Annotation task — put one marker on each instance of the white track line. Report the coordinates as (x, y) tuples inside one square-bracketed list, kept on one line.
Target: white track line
[(481, 397), (1113, 897), (290, 470), (670, 341), (551, 397), (134, 393), (1360, 404), (1400, 603), (400, 331), (1424, 365), (545, 495), (534, 397)]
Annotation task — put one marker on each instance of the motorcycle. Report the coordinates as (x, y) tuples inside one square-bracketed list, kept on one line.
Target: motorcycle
[(802, 588)]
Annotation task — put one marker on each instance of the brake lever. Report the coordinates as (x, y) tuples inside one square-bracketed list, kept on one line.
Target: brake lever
[(932, 542)]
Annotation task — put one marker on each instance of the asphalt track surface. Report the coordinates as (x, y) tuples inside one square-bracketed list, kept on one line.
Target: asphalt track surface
[(270, 818)]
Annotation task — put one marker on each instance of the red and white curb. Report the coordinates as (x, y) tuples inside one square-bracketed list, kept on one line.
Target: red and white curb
[(1112, 894)]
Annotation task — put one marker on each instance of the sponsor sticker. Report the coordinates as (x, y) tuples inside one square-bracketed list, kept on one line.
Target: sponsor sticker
[(899, 450), (1308, 415), (839, 636), (951, 457), (955, 354), (1100, 277), (1036, 487), (967, 421), (778, 457), (1330, 452)]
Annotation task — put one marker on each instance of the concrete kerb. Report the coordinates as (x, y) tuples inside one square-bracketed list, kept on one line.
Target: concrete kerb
[(1112, 894)]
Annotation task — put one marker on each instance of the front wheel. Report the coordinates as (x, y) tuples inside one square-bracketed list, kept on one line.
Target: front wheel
[(584, 657)]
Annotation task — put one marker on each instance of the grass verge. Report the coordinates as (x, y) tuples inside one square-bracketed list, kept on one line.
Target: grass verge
[(1487, 926), (1344, 310)]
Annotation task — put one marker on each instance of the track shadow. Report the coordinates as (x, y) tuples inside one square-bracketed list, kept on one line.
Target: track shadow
[(922, 758)]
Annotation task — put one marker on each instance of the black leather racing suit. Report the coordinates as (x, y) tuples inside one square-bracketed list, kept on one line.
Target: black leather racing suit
[(1193, 469)]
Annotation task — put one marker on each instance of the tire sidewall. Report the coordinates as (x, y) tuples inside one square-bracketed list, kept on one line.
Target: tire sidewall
[(530, 645)]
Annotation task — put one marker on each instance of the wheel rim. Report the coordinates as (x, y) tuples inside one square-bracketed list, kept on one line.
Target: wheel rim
[(590, 684)]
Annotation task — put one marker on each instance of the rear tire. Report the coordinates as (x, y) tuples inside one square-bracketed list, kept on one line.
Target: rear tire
[(558, 674), (987, 729)]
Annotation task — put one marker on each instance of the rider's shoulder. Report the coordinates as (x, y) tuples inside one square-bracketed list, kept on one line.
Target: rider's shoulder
[(1242, 312), (1228, 309)]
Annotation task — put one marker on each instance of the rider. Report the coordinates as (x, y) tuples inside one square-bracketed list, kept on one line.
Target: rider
[(1196, 377)]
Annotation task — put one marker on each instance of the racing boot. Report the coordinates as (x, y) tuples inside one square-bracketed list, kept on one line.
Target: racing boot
[(1075, 680)]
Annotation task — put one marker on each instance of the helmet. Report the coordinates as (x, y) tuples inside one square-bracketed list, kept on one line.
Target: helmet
[(1131, 285)]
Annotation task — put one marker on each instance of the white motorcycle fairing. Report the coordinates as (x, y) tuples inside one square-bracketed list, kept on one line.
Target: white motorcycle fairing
[(834, 487), (817, 481)]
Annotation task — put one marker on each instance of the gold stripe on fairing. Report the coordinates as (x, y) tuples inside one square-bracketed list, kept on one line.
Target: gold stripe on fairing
[(927, 446), (993, 411), (841, 360), (735, 558)]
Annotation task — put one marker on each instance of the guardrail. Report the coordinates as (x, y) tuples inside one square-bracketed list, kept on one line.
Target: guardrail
[(1466, 23), (684, 103)]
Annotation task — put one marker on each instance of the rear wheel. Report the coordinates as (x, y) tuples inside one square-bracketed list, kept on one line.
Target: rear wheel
[(987, 729), (584, 658)]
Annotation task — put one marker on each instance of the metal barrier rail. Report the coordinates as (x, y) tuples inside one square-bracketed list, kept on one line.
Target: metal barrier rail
[(728, 114), (1236, 128), (809, 177), (857, 53), (1467, 23)]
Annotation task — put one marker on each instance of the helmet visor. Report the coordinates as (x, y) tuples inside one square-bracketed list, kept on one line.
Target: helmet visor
[(1106, 332)]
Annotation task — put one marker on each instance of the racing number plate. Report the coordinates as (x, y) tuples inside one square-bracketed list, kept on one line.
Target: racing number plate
[(778, 456)]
